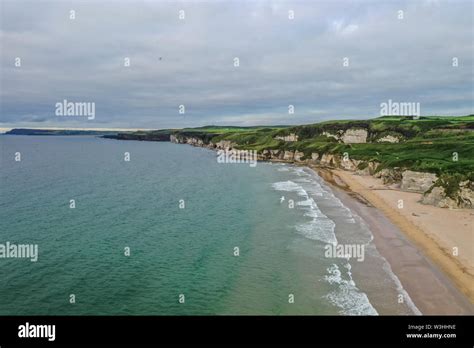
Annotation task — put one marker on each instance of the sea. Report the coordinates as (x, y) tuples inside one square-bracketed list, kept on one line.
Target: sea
[(156, 228)]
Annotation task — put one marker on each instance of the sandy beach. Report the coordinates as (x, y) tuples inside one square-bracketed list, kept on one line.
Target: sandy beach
[(417, 240)]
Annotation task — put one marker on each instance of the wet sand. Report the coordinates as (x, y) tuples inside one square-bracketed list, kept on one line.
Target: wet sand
[(437, 282)]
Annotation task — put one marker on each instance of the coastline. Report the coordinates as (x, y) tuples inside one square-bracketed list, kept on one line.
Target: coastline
[(435, 281)]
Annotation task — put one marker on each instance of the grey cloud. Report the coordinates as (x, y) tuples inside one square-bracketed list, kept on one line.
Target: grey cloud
[(283, 62)]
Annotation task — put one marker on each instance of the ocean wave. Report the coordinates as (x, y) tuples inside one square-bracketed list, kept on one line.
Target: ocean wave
[(320, 227), (300, 171), (347, 296), (289, 186), (322, 190)]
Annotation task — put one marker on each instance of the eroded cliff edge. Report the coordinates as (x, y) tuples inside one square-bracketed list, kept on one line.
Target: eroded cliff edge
[(430, 155)]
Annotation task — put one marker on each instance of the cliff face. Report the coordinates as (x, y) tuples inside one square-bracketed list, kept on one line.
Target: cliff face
[(435, 194), (288, 138), (406, 180), (385, 148), (186, 140), (349, 136), (462, 197), (388, 139), (354, 136), (416, 181), (196, 141)]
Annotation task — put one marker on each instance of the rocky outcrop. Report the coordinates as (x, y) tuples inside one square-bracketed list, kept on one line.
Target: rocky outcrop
[(194, 141), (437, 197), (328, 160), (388, 139), (426, 183), (417, 181), (463, 198), (265, 155), (389, 175), (291, 137), (220, 145), (350, 136), (367, 168), (466, 194), (186, 140), (224, 145), (277, 154), (288, 155), (354, 136), (336, 136), (298, 156), (350, 164)]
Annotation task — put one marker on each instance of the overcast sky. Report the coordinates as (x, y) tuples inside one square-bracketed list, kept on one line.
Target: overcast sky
[(282, 61)]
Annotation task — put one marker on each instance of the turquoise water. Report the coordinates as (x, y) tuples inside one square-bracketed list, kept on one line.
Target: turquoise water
[(174, 251)]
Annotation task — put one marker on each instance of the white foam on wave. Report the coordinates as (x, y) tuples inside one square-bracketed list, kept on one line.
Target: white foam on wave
[(347, 296), (300, 171), (387, 268), (338, 203), (320, 227), (289, 186), (319, 189)]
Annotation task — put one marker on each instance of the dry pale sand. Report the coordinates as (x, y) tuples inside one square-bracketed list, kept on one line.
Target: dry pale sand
[(416, 240), (451, 229)]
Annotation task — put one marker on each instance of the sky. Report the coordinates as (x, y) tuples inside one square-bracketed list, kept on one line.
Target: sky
[(396, 50)]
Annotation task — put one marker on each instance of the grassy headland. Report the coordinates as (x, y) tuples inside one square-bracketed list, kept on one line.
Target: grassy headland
[(435, 144)]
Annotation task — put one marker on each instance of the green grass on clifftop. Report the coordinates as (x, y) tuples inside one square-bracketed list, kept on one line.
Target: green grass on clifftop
[(438, 144)]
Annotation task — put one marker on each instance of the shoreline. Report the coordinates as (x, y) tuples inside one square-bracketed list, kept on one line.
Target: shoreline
[(437, 284)]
